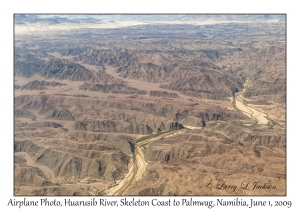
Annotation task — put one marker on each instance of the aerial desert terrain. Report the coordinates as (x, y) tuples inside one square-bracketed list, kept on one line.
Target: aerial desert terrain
[(149, 105)]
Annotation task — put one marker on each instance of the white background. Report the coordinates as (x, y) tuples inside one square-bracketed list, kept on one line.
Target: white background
[(8, 8)]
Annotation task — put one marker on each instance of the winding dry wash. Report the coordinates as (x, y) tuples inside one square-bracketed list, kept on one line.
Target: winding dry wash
[(139, 164), (249, 111), (149, 105)]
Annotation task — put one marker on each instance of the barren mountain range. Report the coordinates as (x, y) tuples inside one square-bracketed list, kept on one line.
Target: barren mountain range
[(169, 105)]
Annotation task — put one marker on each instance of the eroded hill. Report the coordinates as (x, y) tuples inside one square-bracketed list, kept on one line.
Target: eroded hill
[(151, 109)]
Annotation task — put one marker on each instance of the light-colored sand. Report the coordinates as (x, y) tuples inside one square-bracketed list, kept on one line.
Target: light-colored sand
[(192, 127), (141, 163), (259, 116), (240, 105)]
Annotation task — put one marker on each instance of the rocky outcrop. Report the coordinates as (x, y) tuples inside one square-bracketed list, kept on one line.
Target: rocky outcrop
[(78, 160), (16, 87), (80, 126), (61, 114), (73, 51), (26, 65), (210, 84), (118, 126), (261, 135), (40, 85), (152, 191), (279, 89), (30, 176), (120, 141), (24, 114), (115, 58), (63, 69), (213, 115)]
